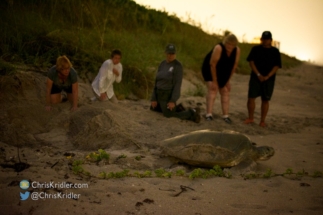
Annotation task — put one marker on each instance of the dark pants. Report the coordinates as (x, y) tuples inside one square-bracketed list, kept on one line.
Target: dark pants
[(163, 97)]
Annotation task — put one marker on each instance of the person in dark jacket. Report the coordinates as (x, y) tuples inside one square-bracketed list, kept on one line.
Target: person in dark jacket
[(167, 88), (217, 69), (264, 60)]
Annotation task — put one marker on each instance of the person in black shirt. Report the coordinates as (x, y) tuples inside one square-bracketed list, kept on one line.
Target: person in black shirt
[(264, 61), (217, 69), (167, 88)]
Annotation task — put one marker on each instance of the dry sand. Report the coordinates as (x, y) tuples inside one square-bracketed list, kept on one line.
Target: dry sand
[(295, 130)]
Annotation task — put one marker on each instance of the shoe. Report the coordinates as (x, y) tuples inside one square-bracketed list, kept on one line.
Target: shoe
[(248, 121), (198, 110), (180, 108), (227, 120), (209, 118), (196, 115)]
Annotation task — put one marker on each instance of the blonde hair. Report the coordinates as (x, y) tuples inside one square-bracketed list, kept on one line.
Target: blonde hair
[(63, 62), (231, 38)]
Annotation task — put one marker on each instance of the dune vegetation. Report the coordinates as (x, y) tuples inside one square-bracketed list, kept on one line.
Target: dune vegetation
[(36, 32)]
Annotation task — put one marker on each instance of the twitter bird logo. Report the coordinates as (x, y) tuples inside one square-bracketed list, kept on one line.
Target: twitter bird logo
[(24, 196)]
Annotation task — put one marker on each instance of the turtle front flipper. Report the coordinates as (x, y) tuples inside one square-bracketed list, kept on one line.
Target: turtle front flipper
[(264, 153)]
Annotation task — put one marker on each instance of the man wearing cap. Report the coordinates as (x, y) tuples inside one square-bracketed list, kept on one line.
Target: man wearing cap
[(167, 88), (264, 61)]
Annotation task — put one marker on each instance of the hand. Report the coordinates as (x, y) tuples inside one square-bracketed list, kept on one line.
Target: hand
[(214, 86), (261, 78), (48, 108), (153, 104), (171, 105), (103, 96), (115, 71)]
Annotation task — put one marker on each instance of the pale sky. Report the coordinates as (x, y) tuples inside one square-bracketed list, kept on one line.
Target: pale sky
[(296, 24)]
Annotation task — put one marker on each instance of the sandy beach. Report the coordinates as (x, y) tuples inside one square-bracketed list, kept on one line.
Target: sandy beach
[(49, 142)]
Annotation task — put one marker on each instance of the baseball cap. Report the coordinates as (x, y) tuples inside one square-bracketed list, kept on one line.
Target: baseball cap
[(266, 35), (170, 49)]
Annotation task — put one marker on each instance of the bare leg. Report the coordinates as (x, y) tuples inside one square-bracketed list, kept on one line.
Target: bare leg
[(70, 97), (113, 99), (210, 97), (225, 100), (251, 105), (56, 98), (264, 111)]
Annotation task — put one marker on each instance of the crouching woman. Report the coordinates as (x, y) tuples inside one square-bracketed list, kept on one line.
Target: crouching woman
[(61, 78)]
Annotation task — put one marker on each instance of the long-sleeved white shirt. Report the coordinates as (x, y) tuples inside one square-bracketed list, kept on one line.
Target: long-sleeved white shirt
[(103, 82)]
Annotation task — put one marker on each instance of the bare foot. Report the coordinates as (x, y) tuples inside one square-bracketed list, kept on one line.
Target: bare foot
[(262, 124), (248, 121)]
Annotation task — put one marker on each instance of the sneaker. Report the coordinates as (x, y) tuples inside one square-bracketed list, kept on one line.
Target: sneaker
[(198, 110), (209, 118), (227, 120)]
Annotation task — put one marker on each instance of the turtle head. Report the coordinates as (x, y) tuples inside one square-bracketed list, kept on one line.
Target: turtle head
[(265, 152)]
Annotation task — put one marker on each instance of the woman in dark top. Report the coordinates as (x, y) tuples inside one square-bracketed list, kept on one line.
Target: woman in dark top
[(217, 70), (61, 77), (168, 86)]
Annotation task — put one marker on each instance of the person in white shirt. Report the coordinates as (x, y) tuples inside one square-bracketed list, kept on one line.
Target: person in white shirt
[(110, 71)]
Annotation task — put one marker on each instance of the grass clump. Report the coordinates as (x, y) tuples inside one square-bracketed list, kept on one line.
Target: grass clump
[(180, 172), (143, 175), (98, 156), (6, 68), (76, 167), (216, 171), (198, 91), (162, 173)]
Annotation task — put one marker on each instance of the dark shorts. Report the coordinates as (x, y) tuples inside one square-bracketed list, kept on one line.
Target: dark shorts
[(264, 89), (56, 89)]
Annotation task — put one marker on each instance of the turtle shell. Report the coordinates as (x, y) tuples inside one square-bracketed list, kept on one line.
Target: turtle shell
[(207, 148)]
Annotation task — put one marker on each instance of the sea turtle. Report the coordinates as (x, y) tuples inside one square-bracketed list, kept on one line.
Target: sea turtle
[(206, 148)]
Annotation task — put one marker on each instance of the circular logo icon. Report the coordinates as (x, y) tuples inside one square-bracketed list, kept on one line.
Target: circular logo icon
[(24, 184)]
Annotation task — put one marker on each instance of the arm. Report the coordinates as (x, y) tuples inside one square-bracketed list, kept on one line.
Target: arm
[(103, 75), (153, 98), (255, 70), (118, 74), (236, 62), (74, 96), (177, 83), (49, 85), (272, 72), (216, 54), (278, 65)]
